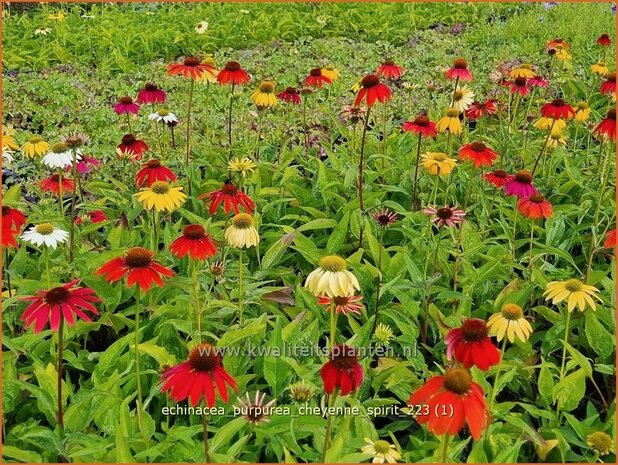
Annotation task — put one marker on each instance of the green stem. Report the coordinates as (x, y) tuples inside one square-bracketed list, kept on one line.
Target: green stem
[(128, 116), (205, 438), (538, 158), (333, 325), (140, 407), (189, 107), (240, 287), (229, 120), (599, 201), (60, 357), (565, 342), (514, 233), (361, 177), (418, 159), (498, 368), (530, 253), (73, 202), (444, 443), (198, 306), (47, 276), (329, 426), (379, 264), (61, 194)]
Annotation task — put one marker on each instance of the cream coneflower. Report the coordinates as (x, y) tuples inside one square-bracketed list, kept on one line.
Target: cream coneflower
[(462, 99), (60, 156), (242, 232), (381, 450), (509, 322), (163, 116), (332, 278)]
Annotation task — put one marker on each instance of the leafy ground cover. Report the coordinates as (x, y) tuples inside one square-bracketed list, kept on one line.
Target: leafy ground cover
[(348, 232)]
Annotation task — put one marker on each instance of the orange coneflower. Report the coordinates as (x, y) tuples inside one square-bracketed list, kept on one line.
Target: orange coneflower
[(557, 109), (479, 153), (231, 198), (343, 304), (194, 242), (191, 67), (421, 125), (479, 109), (609, 85), (290, 95), (233, 74), (53, 184), (153, 171), (607, 127), (535, 207), (342, 370)]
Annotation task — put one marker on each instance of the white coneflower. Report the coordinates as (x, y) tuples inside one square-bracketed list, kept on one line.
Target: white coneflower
[(201, 27), (42, 31), (332, 278), (60, 156), (242, 233), (163, 116), (381, 450), (462, 99), (45, 233)]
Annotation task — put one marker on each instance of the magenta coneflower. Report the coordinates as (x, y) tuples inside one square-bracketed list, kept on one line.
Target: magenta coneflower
[(87, 164), (125, 106), (520, 185), (445, 216), (66, 301), (151, 93), (537, 81)]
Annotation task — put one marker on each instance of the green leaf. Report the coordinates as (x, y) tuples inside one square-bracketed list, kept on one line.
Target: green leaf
[(339, 234), (25, 456), (601, 341), (223, 437)]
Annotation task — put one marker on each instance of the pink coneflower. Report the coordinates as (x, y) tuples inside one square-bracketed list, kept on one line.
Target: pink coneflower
[(445, 216), (477, 110), (537, 81), (96, 216), (384, 218), (420, 126), (389, 70), (520, 185), (66, 302), (520, 86), (86, 164), (498, 178), (151, 93), (459, 70), (290, 95), (345, 305), (126, 105)]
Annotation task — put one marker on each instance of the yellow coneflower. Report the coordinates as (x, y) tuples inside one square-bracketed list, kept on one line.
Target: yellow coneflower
[(544, 124), (509, 322), (578, 294), (450, 122), (35, 147), (332, 278), (438, 163), (8, 138), (242, 233), (161, 196), (243, 166), (599, 68), (381, 450), (522, 71), (600, 442), (264, 96), (582, 112), (563, 54), (357, 86), (331, 73)]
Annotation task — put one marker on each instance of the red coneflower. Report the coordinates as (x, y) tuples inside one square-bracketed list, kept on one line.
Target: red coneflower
[(8, 237), (479, 109), (66, 301), (372, 90), (133, 146), (478, 153), (233, 74), (52, 184), (191, 67), (389, 70), (139, 266), (290, 95), (457, 390), (556, 43), (445, 216), (498, 178), (557, 109), (198, 376), (153, 171), (470, 345), (96, 216), (316, 78), (520, 86), (459, 70), (610, 239), (604, 40), (342, 370), (195, 242), (607, 127), (609, 85), (535, 207), (520, 185), (12, 218), (231, 198), (151, 93), (345, 305), (537, 81), (126, 105), (420, 126)]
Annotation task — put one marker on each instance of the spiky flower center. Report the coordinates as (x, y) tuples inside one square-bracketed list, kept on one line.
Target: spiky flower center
[(439, 157), (242, 221), (611, 114), (301, 392), (525, 66), (523, 177), (35, 139), (5, 210), (45, 228), (573, 285), (232, 66), (194, 232), (163, 112), (558, 102), (611, 77), (205, 357), (267, 87), (457, 380), (217, 268), (371, 80), (191, 61), (59, 147), (381, 446), (153, 164), (582, 106), (500, 174), (344, 356), (460, 63), (600, 442), (291, 90), (458, 95), (128, 139), (512, 312), (452, 113), (520, 81), (160, 187), (537, 198), (55, 178), (315, 72), (421, 121), (73, 141), (151, 86), (444, 213), (57, 296), (389, 62), (138, 257), (473, 330), (341, 301), (126, 100), (229, 189), (478, 146), (333, 263)]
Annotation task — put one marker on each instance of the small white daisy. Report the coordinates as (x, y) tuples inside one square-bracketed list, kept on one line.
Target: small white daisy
[(163, 116), (60, 156), (201, 27), (45, 233), (42, 31)]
